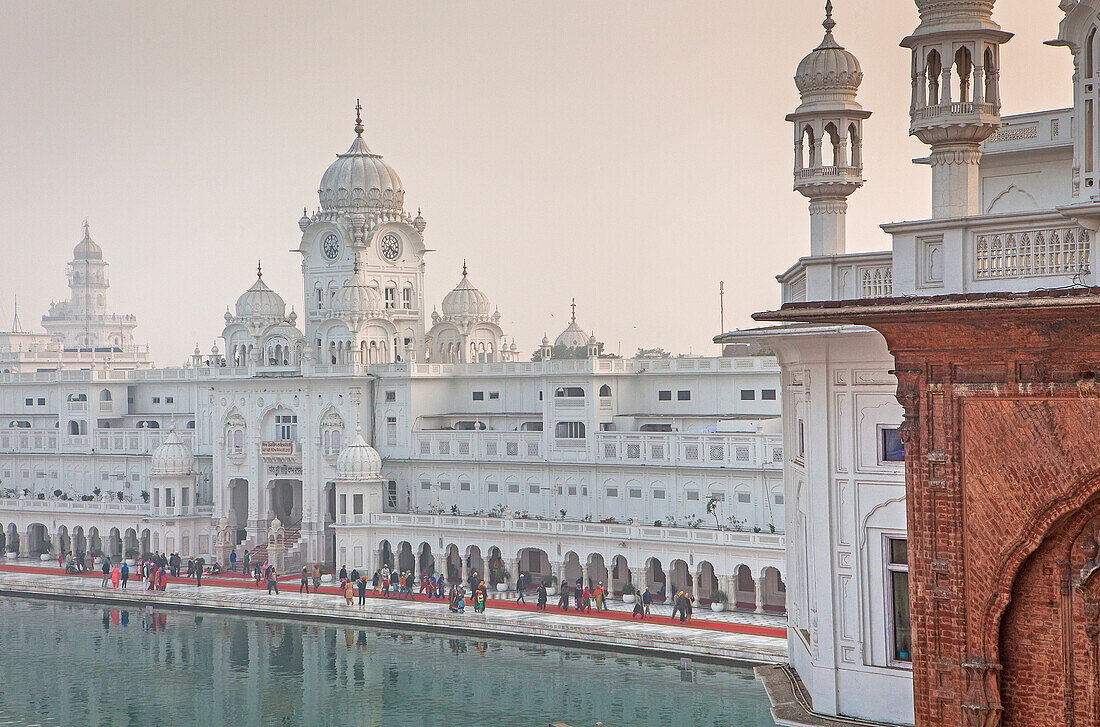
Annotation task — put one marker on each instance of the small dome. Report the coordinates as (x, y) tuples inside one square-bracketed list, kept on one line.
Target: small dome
[(573, 336), (357, 297), (358, 460), (173, 457), (466, 300), (87, 249), (359, 179), (419, 224), (828, 67), (304, 222), (260, 301)]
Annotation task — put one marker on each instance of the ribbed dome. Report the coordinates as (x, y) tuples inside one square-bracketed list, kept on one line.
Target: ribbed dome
[(572, 337), (358, 461), (260, 301), (359, 179), (87, 249), (173, 457), (357, 297), (828, 67), (466, 300), (954, 9)]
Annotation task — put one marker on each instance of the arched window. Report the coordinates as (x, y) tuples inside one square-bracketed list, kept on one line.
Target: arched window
[(105, 395), (964, 68), (834, 141), (148, 424), (856, 144), (809, 148), (569, 430), (605, 390), (191, 424), (991, 95), (391, 296), (932, 70), (78, 427), (19, 424), (77, 397), (407, 298), (569, 392)]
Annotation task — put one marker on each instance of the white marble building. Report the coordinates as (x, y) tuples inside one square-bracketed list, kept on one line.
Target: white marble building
[(1014, 208), (568, 464)]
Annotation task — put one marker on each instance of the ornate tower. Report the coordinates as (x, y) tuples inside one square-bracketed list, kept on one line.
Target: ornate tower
[(956, 96), (828, 138)]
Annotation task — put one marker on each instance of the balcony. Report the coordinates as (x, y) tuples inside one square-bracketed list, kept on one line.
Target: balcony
[(839, 277), (104, 507), (690, 450), (484, 446), (954, 109)]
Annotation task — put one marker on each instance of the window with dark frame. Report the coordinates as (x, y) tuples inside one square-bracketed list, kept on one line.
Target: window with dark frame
[(897, 573)]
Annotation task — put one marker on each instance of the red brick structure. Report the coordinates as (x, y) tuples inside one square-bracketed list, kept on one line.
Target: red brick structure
[(1002, 434)]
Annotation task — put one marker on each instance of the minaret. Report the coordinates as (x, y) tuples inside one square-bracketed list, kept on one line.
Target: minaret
[(956, 96), (828, 138)]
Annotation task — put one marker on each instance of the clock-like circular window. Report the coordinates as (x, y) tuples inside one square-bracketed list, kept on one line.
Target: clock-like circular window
[(330, 246), (390, 247)]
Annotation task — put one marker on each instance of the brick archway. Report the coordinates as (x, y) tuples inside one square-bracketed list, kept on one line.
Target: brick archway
[(1048, 640)]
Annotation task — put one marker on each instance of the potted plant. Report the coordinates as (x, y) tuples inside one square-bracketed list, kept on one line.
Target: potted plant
[(718, 601), (500, 575), (44, 551), (550, 582), (131, 556), (57, 493), (628, 592), (145, 496)]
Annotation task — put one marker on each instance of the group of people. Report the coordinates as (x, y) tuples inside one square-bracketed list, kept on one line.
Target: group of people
[(265, 575), (583, 595)]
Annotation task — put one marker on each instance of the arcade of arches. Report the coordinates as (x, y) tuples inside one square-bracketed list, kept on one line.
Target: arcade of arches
[(763, 591)]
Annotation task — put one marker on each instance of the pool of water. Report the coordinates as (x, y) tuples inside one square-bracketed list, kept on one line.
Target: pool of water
[(63, 664)]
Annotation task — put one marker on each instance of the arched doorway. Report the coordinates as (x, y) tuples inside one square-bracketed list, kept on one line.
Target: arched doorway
[(744, 595)]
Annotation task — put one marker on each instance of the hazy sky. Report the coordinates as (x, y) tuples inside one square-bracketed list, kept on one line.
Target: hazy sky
[(631, 154)]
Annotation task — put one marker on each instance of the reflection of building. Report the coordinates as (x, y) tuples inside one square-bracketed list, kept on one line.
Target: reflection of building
[(570, 463), (1012, 213)]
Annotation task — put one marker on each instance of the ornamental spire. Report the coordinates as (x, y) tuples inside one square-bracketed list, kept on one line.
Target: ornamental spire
[(358, 118), (464, 267), (573, 308), (828, 41), (259, 270)]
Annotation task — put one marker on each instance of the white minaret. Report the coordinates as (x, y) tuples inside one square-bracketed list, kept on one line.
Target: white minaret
[(956, 96), (828, 138)]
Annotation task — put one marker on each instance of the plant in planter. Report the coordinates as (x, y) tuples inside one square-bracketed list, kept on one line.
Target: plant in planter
[(562, 514), (771, 526), (41, 495), (145, 496), (628, 592), (57, 493), (550, 582), (714, 504), (454, 509), (119, 495), (735, 524), (97, 491), (131, 553), (756, 529), (718, 601)]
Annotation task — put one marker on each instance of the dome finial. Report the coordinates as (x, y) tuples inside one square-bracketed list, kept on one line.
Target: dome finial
[(259, 270), (86, 233), (355, 265), (358, 119), (464, 267), (573, 308), (828, 41)]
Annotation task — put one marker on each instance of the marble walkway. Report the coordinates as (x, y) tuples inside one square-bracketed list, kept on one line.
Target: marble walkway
[(703, 639)]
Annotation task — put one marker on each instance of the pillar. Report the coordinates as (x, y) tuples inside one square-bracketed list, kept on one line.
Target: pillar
[(637, 577), (584, 575), (696, 577), (760, 594), (464, 561), (560, 568), (513, 578)]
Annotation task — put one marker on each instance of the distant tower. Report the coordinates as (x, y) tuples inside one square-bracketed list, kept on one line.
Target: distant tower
[(828, 138), (956, 95)]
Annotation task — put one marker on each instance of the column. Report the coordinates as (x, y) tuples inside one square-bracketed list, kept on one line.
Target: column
[(695, 585), (584, 575), (560, 568), (637, 577), (514, 571), (464, 562), (760, 594)]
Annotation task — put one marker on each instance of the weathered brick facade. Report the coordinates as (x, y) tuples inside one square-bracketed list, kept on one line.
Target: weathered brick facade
[(1002, 435)]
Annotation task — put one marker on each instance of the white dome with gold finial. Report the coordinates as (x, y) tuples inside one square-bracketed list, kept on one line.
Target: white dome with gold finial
[(358, 461), (359, 180)]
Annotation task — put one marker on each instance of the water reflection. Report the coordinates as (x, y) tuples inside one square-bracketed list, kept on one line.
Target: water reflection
[(186, 669)]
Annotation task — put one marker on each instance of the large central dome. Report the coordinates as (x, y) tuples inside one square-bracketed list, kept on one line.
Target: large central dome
[(359, 180)]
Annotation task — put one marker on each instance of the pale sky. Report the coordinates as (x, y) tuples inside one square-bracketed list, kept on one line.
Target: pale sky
[(630, 154)]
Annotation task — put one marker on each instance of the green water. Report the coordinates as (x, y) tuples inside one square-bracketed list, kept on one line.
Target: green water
[(66, 664)]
